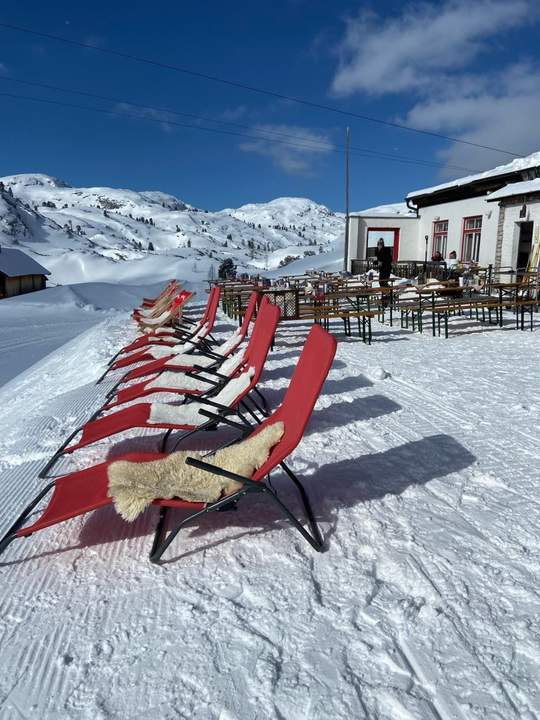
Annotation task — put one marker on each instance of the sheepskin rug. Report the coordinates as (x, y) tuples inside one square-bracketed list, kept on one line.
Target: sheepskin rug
[(190, 360), (180, 348), (180, 381), (133, 486), (230, 344), (164, 414), (157, 320), (232, 363)]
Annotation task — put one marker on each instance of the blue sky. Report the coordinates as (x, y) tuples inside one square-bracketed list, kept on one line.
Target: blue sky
[(465, 70)]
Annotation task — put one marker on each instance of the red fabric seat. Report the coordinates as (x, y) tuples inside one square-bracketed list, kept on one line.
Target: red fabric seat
[(174, 303), (87, 490), (142, 389), (208, 320), (157, 366), (139, 414)]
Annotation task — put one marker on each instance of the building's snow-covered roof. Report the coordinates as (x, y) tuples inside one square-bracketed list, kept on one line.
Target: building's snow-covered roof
[(519, 188), (387, 210), (15, 262), (522, 163)]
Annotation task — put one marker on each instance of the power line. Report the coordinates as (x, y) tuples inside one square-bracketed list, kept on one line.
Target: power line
[(372, 154), (250, 88), (314, 144)]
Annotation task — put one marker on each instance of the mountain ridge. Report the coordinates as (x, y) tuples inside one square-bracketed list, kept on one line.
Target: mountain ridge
[(102, 233)]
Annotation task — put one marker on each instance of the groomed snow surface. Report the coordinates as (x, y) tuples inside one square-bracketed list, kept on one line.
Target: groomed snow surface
[(421, 460)]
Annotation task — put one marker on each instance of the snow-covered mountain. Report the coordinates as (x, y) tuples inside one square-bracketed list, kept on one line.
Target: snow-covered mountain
[(106, 234)]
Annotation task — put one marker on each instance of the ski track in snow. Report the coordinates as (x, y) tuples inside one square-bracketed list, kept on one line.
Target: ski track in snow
[(421, 461)]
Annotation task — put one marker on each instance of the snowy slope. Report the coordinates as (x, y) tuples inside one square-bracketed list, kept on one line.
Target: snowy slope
[(38, 323), (104, 234), (425, 605)]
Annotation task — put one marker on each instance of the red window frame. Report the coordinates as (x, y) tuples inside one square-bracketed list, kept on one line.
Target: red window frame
[(436, 237), (395, 248), (475, 242)]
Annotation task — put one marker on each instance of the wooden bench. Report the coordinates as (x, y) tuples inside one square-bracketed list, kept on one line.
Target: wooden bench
[(322, 314), (445, 308)]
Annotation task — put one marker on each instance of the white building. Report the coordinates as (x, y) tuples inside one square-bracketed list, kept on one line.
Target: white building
[(491, 218)]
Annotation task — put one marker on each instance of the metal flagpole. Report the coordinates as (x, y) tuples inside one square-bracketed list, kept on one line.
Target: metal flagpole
[(346, 254)]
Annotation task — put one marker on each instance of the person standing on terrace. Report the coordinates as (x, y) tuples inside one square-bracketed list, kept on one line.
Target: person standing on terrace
[(384, 262)]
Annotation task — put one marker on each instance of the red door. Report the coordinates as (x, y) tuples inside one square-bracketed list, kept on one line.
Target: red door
[(390, 237)]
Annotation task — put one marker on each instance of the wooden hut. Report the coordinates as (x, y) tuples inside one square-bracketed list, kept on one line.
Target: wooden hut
[(19, 273)]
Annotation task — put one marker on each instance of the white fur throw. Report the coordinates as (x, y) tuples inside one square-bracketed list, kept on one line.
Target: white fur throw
[(133, 486), (230, 344), (158, 320), (190, 360), (178, 381), (157, 351), (163, 414), (232, 363), (146, 313)]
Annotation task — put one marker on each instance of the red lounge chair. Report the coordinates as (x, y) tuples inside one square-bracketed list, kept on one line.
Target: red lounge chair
[(171, 362), (195, 335), (87, 490), (152, 313), (164, 335), (181, 346), (172, 339), (168, 289), (217, 367), (202, 330), (146, 415), (168, 316), (175, 362)]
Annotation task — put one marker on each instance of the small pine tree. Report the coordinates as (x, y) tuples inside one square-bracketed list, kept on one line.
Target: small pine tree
[(150, 246), (226, 268), (188, 244)]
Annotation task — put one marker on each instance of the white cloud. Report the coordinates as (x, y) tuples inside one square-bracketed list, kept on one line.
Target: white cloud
[(407, 52), (294, 155), (429, 55), (163, 116), (235, 113), (502, 112)]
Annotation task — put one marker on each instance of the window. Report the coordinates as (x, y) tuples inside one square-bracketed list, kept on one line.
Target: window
[(472, 230), (440, 236)]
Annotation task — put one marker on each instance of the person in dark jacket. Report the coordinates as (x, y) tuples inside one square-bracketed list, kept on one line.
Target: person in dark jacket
[(384, 262)]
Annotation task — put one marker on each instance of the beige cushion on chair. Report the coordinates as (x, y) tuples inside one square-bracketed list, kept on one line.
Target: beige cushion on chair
[(133, 486)]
